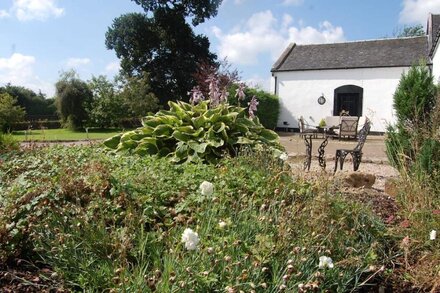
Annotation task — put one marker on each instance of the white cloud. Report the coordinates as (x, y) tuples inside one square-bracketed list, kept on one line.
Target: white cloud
[(112, 67), (257, 81), (293, 2), (416, 11), (4, 14), (18, 70), (26, 10), (77, 62), (327, 33), (263, 33)]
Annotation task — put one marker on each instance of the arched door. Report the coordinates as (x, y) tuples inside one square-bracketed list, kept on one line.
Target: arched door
[(348, 98)]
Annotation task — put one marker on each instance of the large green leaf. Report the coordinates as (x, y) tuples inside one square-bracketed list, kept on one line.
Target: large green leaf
[(163, 130), (269, 135), (200, 121), (181, 136), (244, 140), (197, 147), (113, 142), (146, 148)]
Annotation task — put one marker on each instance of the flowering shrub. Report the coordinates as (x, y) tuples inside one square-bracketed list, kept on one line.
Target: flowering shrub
[(195, 133)]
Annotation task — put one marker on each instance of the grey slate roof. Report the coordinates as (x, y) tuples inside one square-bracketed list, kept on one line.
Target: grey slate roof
[(360, 54)]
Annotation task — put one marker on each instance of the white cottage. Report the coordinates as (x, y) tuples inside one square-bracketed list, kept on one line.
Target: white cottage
[(360, 77)]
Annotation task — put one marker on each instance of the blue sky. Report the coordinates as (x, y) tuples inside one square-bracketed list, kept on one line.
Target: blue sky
[(41, 38)]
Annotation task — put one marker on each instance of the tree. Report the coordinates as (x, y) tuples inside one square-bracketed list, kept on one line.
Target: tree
[(34, 104), (137, 96), (199, 10), (162, 44), (414, 103), (410, 31), (107, 107), (10, 112), (73, 96)]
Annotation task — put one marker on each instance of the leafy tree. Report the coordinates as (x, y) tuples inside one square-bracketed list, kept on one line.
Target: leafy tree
[(10, 112), (73, 96), (137, 96), (163, 44), (34, 104), (410, 31), (199, 10), (107, 107)]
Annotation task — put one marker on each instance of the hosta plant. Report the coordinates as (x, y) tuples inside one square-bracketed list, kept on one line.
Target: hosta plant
[(188, 132)]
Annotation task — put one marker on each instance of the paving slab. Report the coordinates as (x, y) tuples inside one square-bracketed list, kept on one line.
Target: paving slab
[(374, 148)]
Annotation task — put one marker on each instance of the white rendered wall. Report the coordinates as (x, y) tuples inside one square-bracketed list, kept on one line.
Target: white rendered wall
[(299, 92), (436, 64)]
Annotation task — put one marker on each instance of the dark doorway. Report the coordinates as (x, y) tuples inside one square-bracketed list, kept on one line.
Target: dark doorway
[(348, 98)]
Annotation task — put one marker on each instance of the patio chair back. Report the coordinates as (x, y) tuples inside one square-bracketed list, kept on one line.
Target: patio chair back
[(362, 137), (348, 126), (356, 153)]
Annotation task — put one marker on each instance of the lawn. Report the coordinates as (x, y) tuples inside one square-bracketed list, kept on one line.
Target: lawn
[(63, 134)]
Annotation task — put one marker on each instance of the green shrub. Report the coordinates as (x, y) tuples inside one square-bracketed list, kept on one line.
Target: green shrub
[(194, 132), (268, 107), (414, 102), (8, 143)]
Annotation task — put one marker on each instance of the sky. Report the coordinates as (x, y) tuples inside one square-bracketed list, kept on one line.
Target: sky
[(39, 39)]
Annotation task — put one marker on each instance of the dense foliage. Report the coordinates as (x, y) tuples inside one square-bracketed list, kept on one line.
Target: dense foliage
[(10, 112), (8, 143), (410, 31), (268, 104), (195, 132), (37, 106), (413, 146), (198, 10), (414, 103), (72, 98), (162, 45), (115, 223)]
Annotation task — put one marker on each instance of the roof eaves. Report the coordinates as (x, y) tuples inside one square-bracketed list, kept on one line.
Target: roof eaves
[(434, 43), (344, 68), (283, 57)]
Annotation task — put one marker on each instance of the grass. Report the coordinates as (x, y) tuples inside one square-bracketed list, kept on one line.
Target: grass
[(63, 134)]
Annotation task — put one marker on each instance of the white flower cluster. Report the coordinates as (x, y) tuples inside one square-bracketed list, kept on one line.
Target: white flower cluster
[(433, 235), (206, 188), (284, 156), (325, 262), (190, 238)]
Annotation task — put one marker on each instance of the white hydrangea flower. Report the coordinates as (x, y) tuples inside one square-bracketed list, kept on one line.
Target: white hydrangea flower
[(190, 238), (206, 188), (284, 156), (433, 235), (222, 224), (325, 261)]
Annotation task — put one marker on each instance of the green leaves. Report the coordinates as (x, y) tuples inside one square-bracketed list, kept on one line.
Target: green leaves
[(192, 133)]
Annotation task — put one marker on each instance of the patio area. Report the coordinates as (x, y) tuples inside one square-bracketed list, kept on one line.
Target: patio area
[(374, 159), (373, 150)]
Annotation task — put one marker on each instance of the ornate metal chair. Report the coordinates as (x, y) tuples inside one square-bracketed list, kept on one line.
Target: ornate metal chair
[(304, 129), (356, 153), (348, 126)]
